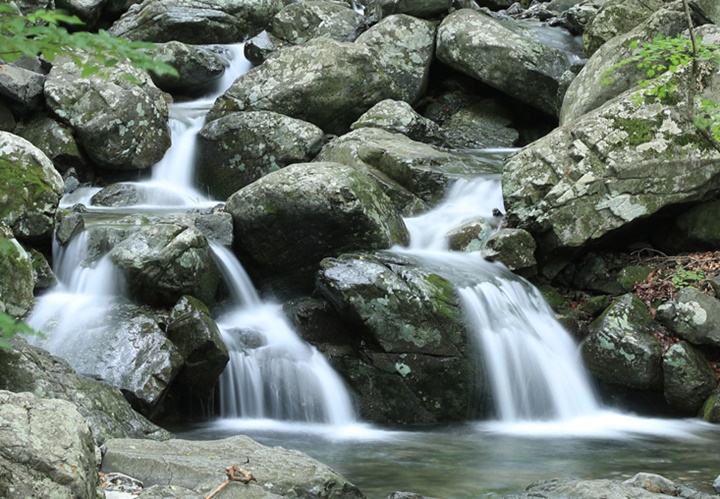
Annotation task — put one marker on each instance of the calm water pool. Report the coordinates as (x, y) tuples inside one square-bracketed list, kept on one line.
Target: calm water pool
[(489, 459)]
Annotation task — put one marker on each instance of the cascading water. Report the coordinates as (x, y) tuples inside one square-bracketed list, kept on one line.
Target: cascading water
[(272, 373), (532, 363)]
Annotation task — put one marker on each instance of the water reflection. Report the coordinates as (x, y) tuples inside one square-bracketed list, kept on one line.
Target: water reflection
[(490, 459)]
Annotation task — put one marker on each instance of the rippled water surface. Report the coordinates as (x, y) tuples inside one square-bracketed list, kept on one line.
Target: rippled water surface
[(489, 460)]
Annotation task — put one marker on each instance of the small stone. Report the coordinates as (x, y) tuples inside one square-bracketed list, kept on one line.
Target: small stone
[(651, 482)]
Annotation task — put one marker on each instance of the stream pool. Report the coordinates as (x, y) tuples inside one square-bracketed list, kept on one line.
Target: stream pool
[(473, 460)]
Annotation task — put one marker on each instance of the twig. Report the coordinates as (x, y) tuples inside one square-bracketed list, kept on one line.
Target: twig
[(235, 474)]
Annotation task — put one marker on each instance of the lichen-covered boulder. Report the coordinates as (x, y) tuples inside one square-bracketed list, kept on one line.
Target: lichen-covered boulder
[(325, 82), (620, 351), (614, 18), (45, 446), (16, 276), (504, 56), (125, 348), (419, 168), (331, 83), (515, 248), (198, 67), (399, 117), (594, 86), (195, 21), (299, 22), (404, 47), (163, 262), (288, 220), (416, 365), (26, 368), (693, 316), (200, 467), (689, 379), (120, 119), (239, 148), (30, 189), (416, 8), (198, 339), (621, 163), (56, 140)]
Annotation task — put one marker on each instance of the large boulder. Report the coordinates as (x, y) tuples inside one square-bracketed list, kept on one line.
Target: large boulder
[(214, 224), (620, 351), (693, 316), (689, 379), (594, 86), (120, 118), (45, 447), (239, 148), (288, 220), (621, 163), (56, 140), (404, 46), (198, 339), (421, 169), (617, 17), (415, 363), (195, 22), (22, 87), (199, 67), (31, 189), (200, 466), (325, 82), (123, 346), (299, 22), (26, 368), (331, 83), (163, 262), (17, 282), (399, 117), (506, 57)]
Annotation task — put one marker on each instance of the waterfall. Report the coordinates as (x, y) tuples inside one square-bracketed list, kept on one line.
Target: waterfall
[(272, 373), (532, 363)]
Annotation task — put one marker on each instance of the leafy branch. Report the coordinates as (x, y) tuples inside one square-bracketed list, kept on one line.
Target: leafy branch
[(670, 55), (44, 33)]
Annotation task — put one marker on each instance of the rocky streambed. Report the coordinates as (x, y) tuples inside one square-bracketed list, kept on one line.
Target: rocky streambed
[(353, 118)]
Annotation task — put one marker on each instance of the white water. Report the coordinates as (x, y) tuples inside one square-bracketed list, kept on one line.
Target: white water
[(272, 373), (531, 361)]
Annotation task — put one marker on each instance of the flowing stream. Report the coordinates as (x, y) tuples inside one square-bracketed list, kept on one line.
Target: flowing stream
[(272, 373), (281, 391)]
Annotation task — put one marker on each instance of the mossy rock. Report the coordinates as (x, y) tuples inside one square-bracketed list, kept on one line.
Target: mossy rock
[(31, 188)]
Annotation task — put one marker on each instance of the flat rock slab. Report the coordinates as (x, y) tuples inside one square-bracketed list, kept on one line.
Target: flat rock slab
[(200, 466)]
